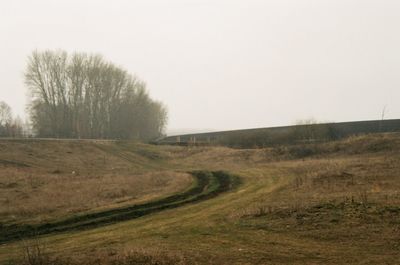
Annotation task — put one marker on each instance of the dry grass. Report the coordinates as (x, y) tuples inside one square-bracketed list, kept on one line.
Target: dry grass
[(34, 252), (51, 183), (332, 203), (365, 179)]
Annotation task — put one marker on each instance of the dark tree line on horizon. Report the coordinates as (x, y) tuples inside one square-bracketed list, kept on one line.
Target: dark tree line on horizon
[(83, 96)]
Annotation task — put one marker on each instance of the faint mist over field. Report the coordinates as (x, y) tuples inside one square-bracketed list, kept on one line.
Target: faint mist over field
[(224, 64)]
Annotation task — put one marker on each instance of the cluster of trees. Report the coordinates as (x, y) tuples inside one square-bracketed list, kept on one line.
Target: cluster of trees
[(83, 96), (9, 126)]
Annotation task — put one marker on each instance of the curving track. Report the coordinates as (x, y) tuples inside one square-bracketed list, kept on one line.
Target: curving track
[(207, 185)]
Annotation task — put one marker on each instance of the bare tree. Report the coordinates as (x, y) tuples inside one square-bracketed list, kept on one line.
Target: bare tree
[(5, 114), (84, 96), (9, 127)]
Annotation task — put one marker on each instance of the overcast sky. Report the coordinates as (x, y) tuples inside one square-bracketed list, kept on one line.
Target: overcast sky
[(224, 64)]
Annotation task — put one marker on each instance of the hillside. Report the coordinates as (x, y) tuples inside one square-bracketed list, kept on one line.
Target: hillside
[(272, 136), (44, 179), (323, 203)]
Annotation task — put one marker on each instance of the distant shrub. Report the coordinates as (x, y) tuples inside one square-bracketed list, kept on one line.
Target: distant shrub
[(301, 151)]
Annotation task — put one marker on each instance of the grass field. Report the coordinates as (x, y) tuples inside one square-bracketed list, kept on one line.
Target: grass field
[(43, 180), (327, 203)]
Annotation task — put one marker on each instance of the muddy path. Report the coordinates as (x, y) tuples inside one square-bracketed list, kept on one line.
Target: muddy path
[(207, 184)]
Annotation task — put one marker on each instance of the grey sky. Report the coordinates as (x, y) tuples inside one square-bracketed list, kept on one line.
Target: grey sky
[(224, 64)]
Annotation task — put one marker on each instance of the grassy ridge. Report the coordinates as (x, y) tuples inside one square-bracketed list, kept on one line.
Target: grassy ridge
[(49, 180), (320, 203), (273, 136), (207, 185)]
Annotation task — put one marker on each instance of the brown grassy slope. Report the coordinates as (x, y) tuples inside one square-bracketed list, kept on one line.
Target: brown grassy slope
[(41, 180), (329, 203)]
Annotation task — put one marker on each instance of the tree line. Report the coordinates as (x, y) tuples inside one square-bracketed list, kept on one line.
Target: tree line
[(82, 95)]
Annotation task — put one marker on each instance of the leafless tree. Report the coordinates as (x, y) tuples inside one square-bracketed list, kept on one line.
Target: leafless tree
[(9, 127), (83, 96), (5, 113)]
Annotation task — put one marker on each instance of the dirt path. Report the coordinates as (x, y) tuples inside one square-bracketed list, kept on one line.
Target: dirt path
[(207, 185)]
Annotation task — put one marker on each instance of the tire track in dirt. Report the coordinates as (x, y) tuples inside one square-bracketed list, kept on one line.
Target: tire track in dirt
[(208, 184)]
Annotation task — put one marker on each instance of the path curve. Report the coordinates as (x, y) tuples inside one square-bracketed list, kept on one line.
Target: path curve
[(208, 184)]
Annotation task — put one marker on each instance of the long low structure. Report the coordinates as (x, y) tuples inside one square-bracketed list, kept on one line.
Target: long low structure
[(286, 134)]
